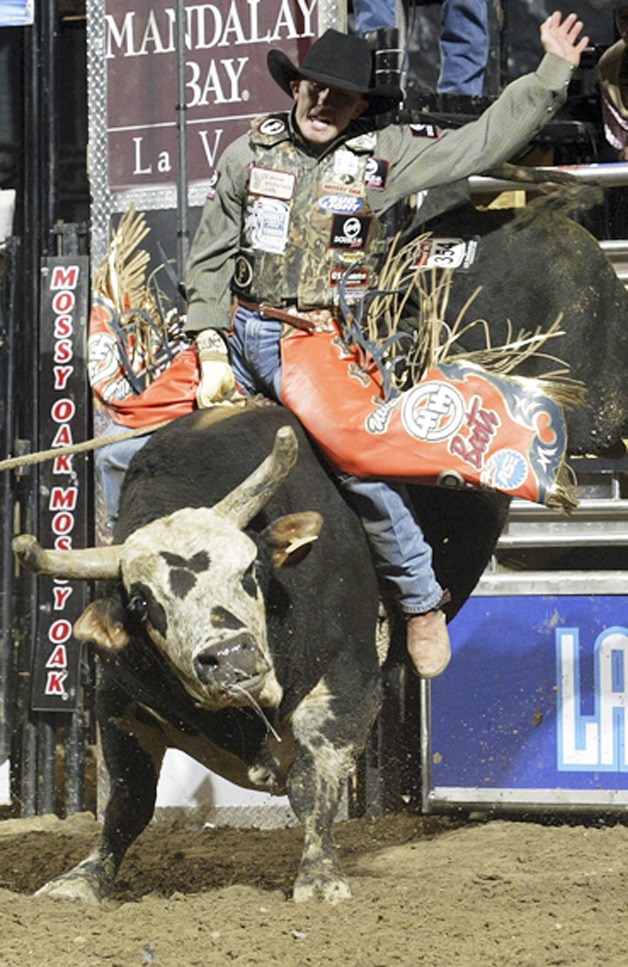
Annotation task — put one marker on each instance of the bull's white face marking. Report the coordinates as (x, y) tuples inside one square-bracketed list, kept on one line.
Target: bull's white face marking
[(197, 572)]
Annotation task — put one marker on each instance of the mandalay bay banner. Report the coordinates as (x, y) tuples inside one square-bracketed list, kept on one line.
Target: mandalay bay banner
[(225, 79)]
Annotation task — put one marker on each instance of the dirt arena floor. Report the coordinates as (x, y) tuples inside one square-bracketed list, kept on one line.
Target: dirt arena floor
[(426, 890)]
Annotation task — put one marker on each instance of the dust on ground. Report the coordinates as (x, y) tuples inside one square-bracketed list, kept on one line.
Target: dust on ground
[(426, 890)]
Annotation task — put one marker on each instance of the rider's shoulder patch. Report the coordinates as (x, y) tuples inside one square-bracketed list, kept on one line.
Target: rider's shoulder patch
[(362, 142), (270, 129), (429, 131)]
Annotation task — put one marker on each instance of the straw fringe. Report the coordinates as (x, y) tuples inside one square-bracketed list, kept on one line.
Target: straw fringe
[(141, 307), (432, 342)]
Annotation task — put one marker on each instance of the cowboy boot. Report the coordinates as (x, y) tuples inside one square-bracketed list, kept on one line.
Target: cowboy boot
[(427, 640)]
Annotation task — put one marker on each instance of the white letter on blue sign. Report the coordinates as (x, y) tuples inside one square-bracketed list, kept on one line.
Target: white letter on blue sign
[(600, 740)]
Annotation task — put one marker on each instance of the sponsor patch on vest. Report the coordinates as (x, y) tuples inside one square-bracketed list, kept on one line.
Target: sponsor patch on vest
[(272, 126), (266, 225), (243, 272), (272, 184), (346, 163), (353, 278), (213, 184), (343, 204), (346, 186), (349, 231), (445, 253), (349, 257), (377, 172), (430, 131)]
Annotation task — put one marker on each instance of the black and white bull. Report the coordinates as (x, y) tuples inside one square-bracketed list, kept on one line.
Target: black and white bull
[(531, 268), (203, 621)]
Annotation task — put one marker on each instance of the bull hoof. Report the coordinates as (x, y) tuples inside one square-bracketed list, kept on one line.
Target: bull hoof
[(331, 889), (72, 887)]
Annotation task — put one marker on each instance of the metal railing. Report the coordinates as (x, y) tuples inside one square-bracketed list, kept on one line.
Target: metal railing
[(608, 175)]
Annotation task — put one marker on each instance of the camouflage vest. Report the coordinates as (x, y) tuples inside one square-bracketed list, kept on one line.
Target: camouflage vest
[(306, 221)]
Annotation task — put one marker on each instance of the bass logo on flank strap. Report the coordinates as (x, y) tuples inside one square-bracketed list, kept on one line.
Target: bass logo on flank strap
[(349, 232), (271, 184), (376, 174), (430, 131)]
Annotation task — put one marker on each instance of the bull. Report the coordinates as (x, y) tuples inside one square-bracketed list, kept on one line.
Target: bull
[(214, 610), (531, 268), (238, 622)]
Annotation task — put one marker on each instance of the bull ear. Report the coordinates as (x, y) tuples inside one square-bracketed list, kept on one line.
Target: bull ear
[(100, 623), (292, 537)]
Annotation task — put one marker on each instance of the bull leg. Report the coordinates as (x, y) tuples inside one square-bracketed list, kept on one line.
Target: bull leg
[(133, 774), (328, 746)]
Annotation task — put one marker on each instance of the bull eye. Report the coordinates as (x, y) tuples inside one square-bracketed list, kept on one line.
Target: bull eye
[(138, 606), (249, 579)]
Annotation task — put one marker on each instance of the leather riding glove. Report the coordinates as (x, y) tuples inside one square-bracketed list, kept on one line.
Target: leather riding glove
[(217, 381)]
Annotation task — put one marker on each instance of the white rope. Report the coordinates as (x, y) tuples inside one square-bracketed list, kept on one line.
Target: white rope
[(94, 444)]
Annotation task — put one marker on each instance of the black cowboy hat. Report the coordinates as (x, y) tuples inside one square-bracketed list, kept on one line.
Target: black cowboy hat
[(336, 60)]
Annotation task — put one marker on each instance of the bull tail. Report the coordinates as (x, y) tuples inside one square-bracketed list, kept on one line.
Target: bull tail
[(560, 191)]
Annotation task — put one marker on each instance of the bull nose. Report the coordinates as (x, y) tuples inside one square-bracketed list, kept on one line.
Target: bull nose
[(230, 661)]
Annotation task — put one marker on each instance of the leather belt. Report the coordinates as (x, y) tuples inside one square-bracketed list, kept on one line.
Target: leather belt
[(281, 315)]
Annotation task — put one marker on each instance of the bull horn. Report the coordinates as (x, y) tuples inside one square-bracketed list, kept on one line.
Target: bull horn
[(88, 564), (243, 503)]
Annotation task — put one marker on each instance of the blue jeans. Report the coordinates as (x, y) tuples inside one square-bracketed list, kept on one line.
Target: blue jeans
[(464, 46), (371, 14), (402, 556), (111, 463)]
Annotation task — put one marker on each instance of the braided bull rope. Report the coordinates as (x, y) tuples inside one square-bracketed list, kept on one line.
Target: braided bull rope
[(219, 411), (41, 456)]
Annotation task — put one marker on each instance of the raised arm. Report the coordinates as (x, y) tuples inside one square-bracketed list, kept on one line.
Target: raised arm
[(560, 37)]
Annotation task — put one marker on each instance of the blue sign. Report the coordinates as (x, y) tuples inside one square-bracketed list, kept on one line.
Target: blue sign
[(535, 698), (16, 13)]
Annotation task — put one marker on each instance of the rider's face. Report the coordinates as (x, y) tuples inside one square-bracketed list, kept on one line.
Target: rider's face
[(322, 113)]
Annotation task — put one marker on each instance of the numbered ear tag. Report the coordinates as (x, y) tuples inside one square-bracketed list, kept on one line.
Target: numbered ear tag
[(445, 253)]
